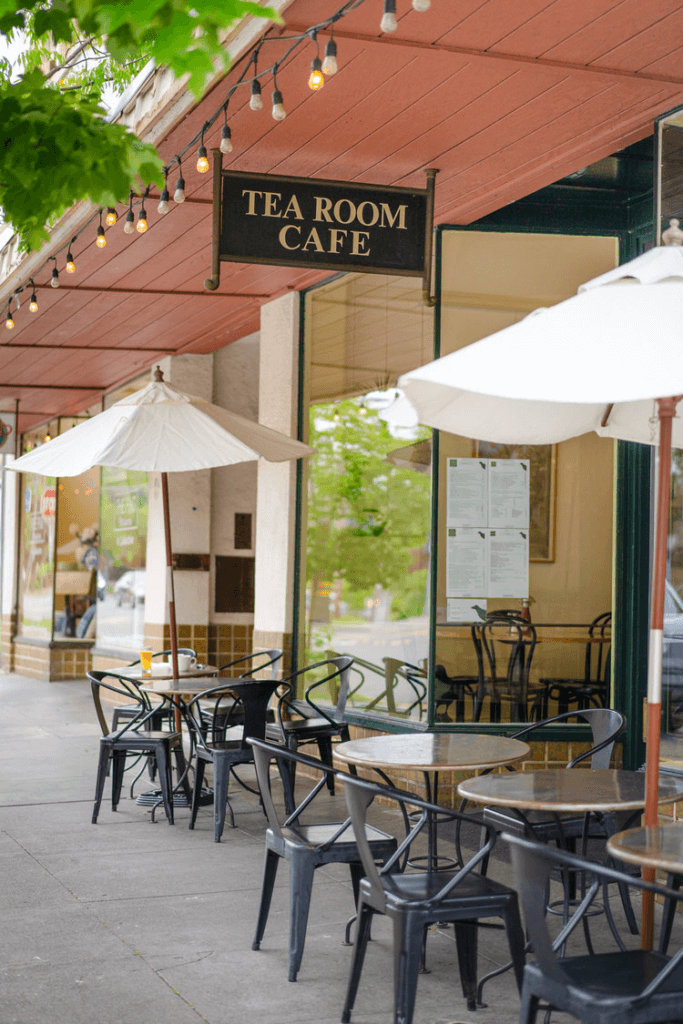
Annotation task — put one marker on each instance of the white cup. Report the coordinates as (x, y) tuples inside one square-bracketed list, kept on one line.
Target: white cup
[(186, 662)]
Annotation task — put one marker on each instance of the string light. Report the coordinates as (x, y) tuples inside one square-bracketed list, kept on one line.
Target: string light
[(328, 66), (164, 198), (101, 239), (388, 22), (279, 112), (48, 437), (330, 62), (129, 226), (202, 156), (256, 103), (142, 217), (9, 322), (316, 79), (179, 194)]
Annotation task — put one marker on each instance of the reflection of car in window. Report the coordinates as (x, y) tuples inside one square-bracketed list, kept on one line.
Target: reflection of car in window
[(130, 589)]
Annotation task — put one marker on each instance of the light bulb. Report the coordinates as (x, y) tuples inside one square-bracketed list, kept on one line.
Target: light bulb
[(48, 437), (330, 62), (202, 160), (279, 112), (142, 221), (9, 322), (101, 239), (422, 5), (179, 194), (388, 22), (316, 79), (163, 202), (256, 103), (129, 226), (55, 278), (363, 411), (33, 304), (70, 265), (112, 217), (226, 141)]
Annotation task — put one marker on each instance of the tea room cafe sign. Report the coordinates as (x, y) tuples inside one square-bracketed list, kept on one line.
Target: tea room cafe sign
[(325, 225)]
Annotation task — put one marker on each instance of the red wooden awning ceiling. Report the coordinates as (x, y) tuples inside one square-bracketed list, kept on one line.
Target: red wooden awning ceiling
[(503, 97)]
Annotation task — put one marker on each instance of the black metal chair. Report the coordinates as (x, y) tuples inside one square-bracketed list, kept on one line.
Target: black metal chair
[(306, 846), (247, 701), (214, 714), (415, 899), (591, 689), (134, 738), (314, 723), (517, 638), (637, 986)]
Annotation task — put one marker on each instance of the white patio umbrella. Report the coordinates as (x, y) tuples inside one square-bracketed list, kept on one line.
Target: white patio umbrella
[(161, 430), (609, 360)]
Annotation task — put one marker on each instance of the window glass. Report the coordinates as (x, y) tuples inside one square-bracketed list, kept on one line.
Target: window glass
[(558, 569), (368, 493), (121, 577), (36, 549)]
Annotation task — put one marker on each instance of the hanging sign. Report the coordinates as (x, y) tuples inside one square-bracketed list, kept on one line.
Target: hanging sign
[(324, 225)]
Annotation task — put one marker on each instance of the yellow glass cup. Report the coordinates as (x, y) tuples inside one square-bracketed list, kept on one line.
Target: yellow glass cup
[(146, 662)]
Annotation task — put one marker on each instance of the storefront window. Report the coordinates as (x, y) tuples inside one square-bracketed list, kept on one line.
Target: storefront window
[(121, 582), (77, 555), (521, 528), (37, 546), (366, 580)]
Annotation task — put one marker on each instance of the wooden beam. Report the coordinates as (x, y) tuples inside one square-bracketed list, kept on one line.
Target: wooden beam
[(510, 58), (153, 291), (91, 348)]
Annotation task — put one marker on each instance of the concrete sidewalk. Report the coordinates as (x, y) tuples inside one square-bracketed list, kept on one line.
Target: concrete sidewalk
[(129, 922)]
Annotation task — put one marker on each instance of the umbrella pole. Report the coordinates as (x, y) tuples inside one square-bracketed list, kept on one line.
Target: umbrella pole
[(171, 591), (667, 410)]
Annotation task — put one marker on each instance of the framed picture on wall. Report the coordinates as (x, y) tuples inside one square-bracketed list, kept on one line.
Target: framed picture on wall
[(543, 486)]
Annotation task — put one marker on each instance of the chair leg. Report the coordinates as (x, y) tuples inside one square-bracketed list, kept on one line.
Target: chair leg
[(516, 941), (221, 780), (117, 770), (102, 769), (301, 870), (358, 956), (269, 873), (466, 943), (162, 752), (199, 768), (181, 768), (356, 869), (668, 914), (325, 751), (529, 1007), (408, 943)]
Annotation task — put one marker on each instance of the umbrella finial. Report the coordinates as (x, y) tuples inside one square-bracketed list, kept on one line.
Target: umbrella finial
[(158, 374), (673, 234)]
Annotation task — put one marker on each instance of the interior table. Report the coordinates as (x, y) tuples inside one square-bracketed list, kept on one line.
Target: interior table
[(431, 753)]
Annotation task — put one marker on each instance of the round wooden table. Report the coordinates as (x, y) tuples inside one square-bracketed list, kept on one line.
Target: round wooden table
[(431, 753), (660, 848), (579, 791), (164, 671)]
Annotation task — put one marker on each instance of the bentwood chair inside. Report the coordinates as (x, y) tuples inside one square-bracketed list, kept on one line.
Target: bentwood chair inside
[(305, 844), (133, 739), (625, 986), (415, 899)]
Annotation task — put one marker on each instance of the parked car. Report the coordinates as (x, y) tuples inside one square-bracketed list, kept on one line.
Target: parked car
[(672, 657), (130, 589)]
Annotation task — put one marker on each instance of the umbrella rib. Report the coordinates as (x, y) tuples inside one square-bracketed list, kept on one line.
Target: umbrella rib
[(608, 413)]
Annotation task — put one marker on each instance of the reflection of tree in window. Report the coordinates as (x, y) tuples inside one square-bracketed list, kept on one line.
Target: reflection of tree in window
[(368, 519)]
